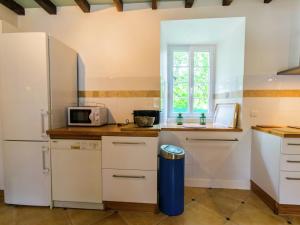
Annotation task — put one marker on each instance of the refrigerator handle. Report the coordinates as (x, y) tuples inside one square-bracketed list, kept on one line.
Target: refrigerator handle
[(45, 150), (43, 127)]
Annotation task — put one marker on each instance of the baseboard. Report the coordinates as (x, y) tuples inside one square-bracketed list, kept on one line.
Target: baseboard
[(143, 207), (78, 205), (218, 183), (277, 208)]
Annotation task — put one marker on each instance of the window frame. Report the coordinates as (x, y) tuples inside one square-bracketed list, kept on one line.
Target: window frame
[(212, 61)]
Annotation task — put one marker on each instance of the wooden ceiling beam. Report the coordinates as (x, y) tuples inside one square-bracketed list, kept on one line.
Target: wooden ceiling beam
[(47, 5), (227, 2), (154, 4), (119, 5), (12, 5), (189, 3), (267, 1), (84, 5)]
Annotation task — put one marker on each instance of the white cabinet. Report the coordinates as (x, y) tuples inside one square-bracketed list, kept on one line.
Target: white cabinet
[(289, 188), (28, 163), (213, 159), (275, 166), (129, 169), (130, 186)]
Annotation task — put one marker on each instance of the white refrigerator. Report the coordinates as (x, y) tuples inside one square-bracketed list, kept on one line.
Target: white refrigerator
[(38, 80)]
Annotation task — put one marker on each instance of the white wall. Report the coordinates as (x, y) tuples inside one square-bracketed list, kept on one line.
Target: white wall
[(8, 15), (230, 59)]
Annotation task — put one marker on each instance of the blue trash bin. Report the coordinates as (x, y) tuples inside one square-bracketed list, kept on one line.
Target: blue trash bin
[(171, 180)]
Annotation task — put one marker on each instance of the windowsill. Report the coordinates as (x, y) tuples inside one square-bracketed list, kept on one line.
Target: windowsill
[(172, 120), (188, 127)]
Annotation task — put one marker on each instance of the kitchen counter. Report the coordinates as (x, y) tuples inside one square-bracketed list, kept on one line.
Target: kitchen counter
[(96, 132), (128, 130), (285, 132)]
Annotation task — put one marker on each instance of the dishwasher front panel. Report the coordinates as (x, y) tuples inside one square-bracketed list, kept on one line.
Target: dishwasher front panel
[(76, 171)]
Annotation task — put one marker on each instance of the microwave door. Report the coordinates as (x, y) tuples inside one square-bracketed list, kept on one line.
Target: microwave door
[(80, 116)]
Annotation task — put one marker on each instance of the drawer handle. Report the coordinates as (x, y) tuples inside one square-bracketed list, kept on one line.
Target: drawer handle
[(292, 178), (128, 143), (293, 144), (292, 161), (128, 176), (210, 139)]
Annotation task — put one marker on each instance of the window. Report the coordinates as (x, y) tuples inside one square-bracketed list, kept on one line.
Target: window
[(190, 80)]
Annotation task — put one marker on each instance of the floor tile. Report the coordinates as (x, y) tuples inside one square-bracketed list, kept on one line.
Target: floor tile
[(250, 215), (195, 214), (255, 201), (141, 218), (8, 215), (192, 193), (40, 216), (87, 217), (113, 219), (240, 195), (222, 205)]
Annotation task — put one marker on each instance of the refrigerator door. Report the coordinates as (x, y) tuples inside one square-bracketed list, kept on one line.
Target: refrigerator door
[(27, 177), (63, 81), (24, 85)]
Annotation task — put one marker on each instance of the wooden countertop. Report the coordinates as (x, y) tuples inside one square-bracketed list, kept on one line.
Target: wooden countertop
[(97, 132), (284, 132), (128, 130)]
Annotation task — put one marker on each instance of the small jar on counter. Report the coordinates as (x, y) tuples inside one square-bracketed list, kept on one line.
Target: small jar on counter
[(202, 119), (179, 119)]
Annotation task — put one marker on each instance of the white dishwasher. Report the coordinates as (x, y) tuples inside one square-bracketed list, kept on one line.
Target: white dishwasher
[(76, 173)]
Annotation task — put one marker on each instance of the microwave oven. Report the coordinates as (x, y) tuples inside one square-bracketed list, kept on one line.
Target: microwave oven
[(91, 116)]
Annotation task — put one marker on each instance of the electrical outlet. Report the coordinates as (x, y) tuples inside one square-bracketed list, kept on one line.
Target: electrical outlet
[(253, 113)]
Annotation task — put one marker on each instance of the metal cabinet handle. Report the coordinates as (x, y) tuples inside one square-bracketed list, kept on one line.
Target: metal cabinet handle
[(44, 151), (43, 127), (128, 176), (210, 139), (128, 143), (292, 161), (294, 144), (292, 178)]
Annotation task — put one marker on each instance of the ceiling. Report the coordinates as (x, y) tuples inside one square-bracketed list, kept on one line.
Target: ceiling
[(33, 4), (51, 5)]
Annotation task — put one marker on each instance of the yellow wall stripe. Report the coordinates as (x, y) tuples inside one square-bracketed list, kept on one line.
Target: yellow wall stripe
[(271, 93), (156, 94), (120, 94)]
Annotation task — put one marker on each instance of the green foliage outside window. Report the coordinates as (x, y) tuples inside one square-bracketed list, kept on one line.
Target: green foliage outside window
[(182, 82)]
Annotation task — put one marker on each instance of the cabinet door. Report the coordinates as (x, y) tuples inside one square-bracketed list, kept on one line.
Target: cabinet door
[(265, 162), (289, 188), (291, 146), (138, 153), (130, 186), (27, 173)]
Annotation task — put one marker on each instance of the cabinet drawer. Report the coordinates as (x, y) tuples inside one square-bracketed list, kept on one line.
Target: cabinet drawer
[(129, 153), (289, 188), (290, 163), (129, 186), (291, 146)]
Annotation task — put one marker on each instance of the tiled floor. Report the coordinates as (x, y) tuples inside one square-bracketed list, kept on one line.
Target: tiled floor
[(202, 207)]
